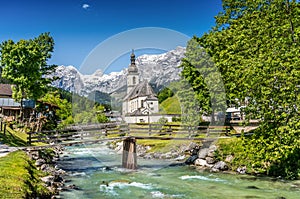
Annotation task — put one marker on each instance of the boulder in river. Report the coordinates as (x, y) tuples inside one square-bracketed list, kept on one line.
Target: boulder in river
[(222, 166), (200, 162), (203, 153)]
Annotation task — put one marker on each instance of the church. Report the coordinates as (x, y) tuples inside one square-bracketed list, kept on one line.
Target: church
[(140, 102)]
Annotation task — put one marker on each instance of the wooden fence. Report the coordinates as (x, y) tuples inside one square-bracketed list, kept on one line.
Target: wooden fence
[(3, 127), (173, 129), (98, 131), (72, 133)]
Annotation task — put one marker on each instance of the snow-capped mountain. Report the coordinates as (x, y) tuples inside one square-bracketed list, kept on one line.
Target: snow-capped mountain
[(159, 70)]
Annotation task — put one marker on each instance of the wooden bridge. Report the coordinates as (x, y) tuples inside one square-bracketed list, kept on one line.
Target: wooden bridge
[(129, 134)]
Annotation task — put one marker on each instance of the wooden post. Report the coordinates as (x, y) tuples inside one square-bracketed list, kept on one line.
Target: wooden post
[(207, 131), (29, 138), (226, 131), (129, 159), (4, 130), (128, 130), (1, 126), (149, 129)]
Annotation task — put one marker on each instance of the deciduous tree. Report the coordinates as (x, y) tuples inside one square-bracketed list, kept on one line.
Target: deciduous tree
[(255, 45), (24, 64)]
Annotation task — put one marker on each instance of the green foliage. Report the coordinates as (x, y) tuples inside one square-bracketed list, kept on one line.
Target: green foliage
[(100, 97), (164, 94), (20, 179), (235, 147), (100, 114), (171, 105), (64, 107), (162, 121), (91, 115), (255, 46), (190, 109), (25, 65), (204, 79)]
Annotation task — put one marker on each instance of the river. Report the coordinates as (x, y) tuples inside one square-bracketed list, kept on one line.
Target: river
[(96, 170)]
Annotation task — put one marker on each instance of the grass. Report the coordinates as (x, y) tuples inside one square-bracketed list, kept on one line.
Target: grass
[(19, 178), (234, 147), (15, 138), (171, 105), (164, 146)]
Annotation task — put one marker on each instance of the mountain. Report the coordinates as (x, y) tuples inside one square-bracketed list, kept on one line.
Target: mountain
[(159, 70)]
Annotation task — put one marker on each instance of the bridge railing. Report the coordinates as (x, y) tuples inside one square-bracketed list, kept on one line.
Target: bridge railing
[(171, 129), (113, 130)]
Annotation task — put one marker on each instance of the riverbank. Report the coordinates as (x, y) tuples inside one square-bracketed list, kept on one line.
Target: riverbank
[(20, 178)]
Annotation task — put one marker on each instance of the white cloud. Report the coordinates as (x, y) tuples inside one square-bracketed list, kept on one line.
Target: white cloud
[(85, 6)]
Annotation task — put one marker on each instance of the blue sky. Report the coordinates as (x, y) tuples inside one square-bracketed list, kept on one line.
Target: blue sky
[(79, 26)]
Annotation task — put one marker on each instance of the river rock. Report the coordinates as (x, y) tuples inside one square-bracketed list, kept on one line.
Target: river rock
[(191, 146), (58, 178), (48, 180), (211, 153), (213, 147), (213, 169), (40, 162), (229, 158), (147, 156), (203, 153), (222, 166), (180, 158), (210, 160), (200, 162), (241, 170), (33, 155), (44, 167), (157, 155), (72, 186), (167, 155)]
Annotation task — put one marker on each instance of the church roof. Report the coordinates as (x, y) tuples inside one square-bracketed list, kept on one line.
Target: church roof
[(142, 89)]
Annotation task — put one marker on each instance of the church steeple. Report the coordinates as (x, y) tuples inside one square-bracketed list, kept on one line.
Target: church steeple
[(133, 74), (132, 57), (132, 67)]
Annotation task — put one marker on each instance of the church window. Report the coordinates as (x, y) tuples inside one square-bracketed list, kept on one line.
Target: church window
[(142, 103), (133, 80)]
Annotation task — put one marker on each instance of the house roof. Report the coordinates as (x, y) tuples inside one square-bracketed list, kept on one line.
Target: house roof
[(5, 90), (142, 89), (8, 102)]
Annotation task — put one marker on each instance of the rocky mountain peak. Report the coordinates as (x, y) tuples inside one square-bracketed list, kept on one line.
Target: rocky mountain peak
[(159, 70)]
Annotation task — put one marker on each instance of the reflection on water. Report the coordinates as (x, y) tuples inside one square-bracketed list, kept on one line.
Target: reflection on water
[(96, 170)]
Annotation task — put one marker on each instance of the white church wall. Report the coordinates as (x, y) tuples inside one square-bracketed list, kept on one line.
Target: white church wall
[(147, 119)]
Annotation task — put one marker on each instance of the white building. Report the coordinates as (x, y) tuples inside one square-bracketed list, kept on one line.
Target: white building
[(140, 101)]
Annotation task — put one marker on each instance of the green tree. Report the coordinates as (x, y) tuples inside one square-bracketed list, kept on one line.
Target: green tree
[(255, 46), (164, 94), (204, 79), (100, 113), (25, 65), (64, 107), (190, 109)]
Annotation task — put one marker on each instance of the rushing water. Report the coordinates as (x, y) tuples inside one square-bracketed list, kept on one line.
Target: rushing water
[(96, 170)]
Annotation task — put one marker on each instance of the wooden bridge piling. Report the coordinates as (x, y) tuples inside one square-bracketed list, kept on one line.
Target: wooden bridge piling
[(129, 159)]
